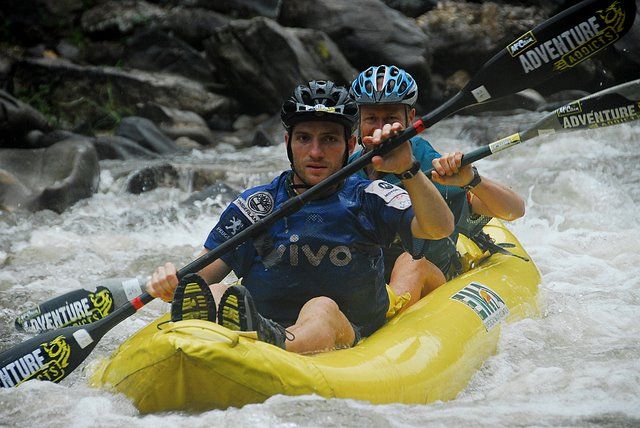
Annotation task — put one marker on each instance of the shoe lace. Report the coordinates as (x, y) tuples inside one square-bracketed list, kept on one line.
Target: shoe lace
[(275, 333)]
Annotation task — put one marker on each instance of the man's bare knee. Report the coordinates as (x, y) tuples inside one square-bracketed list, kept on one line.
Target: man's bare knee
[(321, 305)]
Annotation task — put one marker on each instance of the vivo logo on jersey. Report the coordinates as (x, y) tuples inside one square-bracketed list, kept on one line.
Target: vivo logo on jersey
[(298, 254)]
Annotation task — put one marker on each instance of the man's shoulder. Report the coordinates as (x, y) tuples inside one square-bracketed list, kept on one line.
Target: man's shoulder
[(423, 150), (260, 201)]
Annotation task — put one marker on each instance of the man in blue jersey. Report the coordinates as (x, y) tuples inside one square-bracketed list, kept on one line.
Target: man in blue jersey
[(314, 280), (387, 94)]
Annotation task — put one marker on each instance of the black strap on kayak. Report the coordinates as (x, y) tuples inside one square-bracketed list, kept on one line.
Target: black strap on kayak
[(487, 243)]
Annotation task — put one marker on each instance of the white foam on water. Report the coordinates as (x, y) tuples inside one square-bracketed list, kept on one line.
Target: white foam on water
[(575, 365)]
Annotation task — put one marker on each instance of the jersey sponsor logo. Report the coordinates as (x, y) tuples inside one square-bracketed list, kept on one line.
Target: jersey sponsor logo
[(574, 45), (235, 224), (256, 206), (485, 302), (298, 254), (392, 195)]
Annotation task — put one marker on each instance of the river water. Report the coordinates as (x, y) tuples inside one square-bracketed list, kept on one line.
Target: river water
[(576, 365)]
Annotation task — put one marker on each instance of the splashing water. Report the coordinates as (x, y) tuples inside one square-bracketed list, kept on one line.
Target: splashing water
[(577, 365)]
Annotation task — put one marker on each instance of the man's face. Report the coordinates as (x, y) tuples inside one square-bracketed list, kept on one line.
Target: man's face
[(374, 117), (318, 149)]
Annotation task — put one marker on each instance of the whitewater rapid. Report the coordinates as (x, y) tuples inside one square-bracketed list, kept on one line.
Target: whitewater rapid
[(576, 365)]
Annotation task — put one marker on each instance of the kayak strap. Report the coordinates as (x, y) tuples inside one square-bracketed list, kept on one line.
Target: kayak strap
[(487, 243)]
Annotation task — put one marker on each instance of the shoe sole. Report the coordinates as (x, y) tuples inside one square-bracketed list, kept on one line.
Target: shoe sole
[(235, 309), (193, 300)]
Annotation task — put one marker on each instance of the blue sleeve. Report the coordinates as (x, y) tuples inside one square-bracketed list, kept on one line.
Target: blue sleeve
[(424, 152), (232, 222), (389, 209)]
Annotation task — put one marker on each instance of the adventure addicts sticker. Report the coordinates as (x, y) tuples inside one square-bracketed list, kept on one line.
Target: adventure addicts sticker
[(485, 302), (573, 46)]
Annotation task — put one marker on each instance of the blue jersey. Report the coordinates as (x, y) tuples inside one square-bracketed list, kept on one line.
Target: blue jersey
[(330, 247), (440, 251)]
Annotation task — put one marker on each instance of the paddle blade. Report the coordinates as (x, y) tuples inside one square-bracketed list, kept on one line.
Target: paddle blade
[(50, 356), (54, 355), (611, 106), (79, 307), (558, 44)]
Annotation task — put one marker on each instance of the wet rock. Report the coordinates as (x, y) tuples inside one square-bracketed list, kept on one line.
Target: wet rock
[(155, 50), (179, 123), (67, 50), (193, 25), (103, 52), (468, 34), (561, 98), (263, 77), (261, 139), (367, 32), (527, 99), (144, 132), (187, 143), (412, 8), (119, 17), (17, 119), (152, 177), (38, 139), (217, 190), (237, 8), (6, 63), (91, 96), (116, 147), (53, 178), (200, 178)]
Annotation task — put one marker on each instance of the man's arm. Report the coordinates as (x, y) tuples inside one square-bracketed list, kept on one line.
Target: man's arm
[(433, 218), (488, 197)]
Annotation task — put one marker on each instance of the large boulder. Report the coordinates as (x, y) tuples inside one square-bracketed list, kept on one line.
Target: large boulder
[(368, 32), (16, 120), (155, 50), (464, 35), (53, 178), (193, 25), (235, 8), (117, 17), (97, 97), (147, 134), (178, 123), (263, 61)]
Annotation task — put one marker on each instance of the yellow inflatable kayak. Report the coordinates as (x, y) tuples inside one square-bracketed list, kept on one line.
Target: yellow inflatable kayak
[(427, 353)]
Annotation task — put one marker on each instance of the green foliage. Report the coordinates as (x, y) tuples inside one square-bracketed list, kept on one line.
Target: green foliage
[(38, 99)]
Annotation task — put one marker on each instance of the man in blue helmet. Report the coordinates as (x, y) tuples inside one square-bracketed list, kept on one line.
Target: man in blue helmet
[(387, 95), (314, 280)]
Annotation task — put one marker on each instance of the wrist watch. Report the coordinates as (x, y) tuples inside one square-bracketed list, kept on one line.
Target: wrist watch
[(411, 172), (474, 181)]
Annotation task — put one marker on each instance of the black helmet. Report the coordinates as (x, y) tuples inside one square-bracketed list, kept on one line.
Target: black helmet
[(320, 100)]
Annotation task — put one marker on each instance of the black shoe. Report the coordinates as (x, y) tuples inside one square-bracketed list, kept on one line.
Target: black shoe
[(238, 312), (193, 300)]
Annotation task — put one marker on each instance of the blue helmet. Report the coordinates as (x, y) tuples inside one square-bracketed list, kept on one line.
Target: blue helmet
[(398, 87)]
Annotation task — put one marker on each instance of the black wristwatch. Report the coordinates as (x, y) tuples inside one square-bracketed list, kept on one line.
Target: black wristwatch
[(474, 181), (411, 172)]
